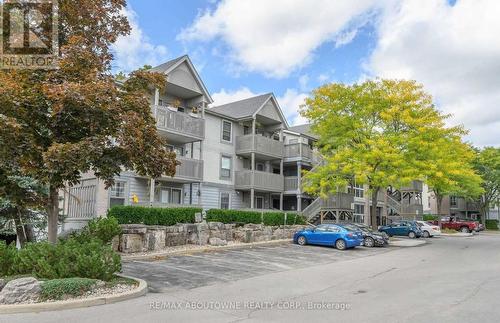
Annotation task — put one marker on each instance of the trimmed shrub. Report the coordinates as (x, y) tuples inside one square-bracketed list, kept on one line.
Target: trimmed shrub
[(153, 215), (104, 229), (7, 257), (492, 224), (68, 258), (234, 216), (57, 289), (430, 217), (255, 217), (278, 218)]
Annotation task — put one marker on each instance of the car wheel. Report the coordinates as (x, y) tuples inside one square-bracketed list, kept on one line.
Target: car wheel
[(464, 230), (427, 234), (302, 241), (411, 235), (369, 242), (340, 244)]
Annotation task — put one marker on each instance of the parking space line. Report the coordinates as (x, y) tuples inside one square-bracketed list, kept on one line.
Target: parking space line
[(163, 264)]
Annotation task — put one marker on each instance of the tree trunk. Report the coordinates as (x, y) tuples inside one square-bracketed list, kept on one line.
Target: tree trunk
[(53, 214), (373, 213), (21, 234), (439, 201)]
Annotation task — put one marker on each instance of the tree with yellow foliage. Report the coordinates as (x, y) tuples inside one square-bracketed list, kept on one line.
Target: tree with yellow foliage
[(379, 132)]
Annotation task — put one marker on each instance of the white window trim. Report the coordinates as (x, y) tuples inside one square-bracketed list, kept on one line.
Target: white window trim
[(231, 166), (229, 199), (222, 131)]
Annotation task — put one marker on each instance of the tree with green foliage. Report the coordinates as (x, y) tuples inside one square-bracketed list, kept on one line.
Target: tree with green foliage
[(57, 124), (376, 132), (451, 171), (487, 165)]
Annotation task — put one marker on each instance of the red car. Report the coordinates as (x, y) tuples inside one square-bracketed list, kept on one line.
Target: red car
[(452, 223)]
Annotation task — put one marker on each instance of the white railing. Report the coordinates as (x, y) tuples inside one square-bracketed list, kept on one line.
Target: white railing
[(291, 183), (259, 144), (261, 180), (179, 122), (189, 169)]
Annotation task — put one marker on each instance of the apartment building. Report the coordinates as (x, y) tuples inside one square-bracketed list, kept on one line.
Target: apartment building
[(453, 206), (240, 155)]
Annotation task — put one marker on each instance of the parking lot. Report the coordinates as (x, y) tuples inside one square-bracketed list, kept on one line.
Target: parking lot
[(203, 269)]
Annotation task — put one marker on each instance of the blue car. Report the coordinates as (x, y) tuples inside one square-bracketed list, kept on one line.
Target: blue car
[(402, 228), (329, 235)]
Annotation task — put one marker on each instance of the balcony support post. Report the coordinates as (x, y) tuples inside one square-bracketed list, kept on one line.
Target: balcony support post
[(252, 198), (156, 101), (299, 177), (152, 192), (299, 203), (203, 105), (281, 201)]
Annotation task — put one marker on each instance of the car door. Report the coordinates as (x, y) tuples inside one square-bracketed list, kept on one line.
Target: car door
[(316, 236), (401, 229), (393, 229), (333, 232)]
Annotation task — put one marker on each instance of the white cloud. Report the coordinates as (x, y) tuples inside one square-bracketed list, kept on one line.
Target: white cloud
[(277, 37), (136, 50), (304, 82), (223, 96), (453, 50), (290, 102)]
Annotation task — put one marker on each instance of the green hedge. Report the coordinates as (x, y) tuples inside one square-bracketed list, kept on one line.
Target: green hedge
[(153, 215), (492, 224), (233, 216), (430, 217), (255, 217)]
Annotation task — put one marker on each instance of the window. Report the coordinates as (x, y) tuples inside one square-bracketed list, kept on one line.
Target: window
[(117, 194), (226, 130), (246, 130), (259, 167), (359, 209), (356, 190), (225, 167), (176, 196), (453, 201), (224, 200), (259, 202)]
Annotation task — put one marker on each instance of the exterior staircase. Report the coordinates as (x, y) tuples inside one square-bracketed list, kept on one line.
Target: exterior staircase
[(337, 207)]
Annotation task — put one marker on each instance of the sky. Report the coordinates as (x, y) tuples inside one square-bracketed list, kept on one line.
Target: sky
[(243, 48)]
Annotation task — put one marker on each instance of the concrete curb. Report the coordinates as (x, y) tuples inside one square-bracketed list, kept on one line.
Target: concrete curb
[(141, 290), (407, 243), (126, 257), (457, 235)]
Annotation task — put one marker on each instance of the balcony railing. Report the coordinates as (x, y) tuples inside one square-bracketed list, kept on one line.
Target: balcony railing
[(414, 186), (260, 145), (179, 122), (261, 180), (412, 209), (338, 201), (189, 169), (291, 183), (295, 151)]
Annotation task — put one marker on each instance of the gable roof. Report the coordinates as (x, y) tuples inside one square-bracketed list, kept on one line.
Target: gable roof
[(170, 65), (247, 108), (243, 108), (304, 129)]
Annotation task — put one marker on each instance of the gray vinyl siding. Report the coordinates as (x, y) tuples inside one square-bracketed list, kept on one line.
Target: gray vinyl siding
[(211, 197)]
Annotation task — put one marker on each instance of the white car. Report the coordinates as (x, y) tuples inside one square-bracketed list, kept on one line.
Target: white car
[(429, 229)]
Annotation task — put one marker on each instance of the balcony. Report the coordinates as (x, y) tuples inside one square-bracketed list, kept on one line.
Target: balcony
[(262, 181), (416, 186), (181, 127), (291, 183), (343, 201), (189, 169), (298, 151), (412, 209), (263, 147)]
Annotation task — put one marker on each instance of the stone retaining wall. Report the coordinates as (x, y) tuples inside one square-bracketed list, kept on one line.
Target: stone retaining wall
[(142, 238)]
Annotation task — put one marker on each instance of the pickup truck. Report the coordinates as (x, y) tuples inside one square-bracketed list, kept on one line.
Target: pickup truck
[(459, 225)]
